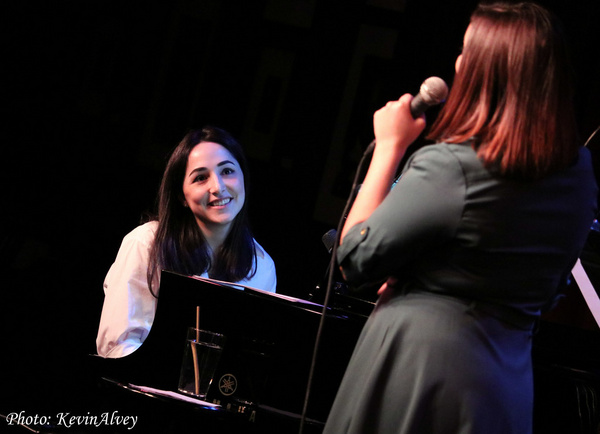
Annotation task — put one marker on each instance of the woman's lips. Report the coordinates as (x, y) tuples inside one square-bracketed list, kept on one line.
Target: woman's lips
[(220, 202)]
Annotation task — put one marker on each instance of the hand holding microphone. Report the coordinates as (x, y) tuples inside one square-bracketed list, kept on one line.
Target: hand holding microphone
[(394, 126), (400, 122)]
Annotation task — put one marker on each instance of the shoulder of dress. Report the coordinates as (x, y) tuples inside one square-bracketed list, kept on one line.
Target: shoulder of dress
[(441, 148), (436, 151), (442, 155)]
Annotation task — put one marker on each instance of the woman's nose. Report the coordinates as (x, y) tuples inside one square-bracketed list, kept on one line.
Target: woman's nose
[(218, 186)]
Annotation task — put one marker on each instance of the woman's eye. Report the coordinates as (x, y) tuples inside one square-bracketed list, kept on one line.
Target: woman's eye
[(228, 171), (200, 178)]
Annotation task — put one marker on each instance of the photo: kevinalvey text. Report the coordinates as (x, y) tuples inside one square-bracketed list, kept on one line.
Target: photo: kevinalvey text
[(69, 420)]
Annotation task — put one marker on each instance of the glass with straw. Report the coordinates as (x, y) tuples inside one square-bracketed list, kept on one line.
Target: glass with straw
[(201, 356)]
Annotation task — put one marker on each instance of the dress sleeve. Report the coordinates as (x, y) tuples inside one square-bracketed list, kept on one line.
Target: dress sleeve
[(129, 307), (422, 210)]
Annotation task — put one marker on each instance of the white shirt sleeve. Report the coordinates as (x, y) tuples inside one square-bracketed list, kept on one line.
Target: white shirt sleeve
[(129, 307)]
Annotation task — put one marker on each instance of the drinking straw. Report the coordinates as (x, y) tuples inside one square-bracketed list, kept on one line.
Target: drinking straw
[(197, 323), (195, 354)]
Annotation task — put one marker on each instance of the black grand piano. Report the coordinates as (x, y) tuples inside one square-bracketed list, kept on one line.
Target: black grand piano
[(265, 363)]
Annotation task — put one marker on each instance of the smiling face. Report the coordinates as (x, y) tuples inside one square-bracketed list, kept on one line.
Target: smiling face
[(213, 187)]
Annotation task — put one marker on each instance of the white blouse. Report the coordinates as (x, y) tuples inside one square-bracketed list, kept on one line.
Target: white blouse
[(129, 307)]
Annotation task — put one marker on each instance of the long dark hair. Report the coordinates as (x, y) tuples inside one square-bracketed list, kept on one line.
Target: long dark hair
[(179, 244), (513, 92)]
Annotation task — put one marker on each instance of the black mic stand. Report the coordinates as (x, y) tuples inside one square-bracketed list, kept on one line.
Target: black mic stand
[(360, 173)]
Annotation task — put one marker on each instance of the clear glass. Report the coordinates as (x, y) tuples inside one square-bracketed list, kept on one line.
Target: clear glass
[(200, 359)]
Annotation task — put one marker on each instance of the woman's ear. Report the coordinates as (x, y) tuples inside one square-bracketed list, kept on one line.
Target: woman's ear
[(458, 62), (182, 200)]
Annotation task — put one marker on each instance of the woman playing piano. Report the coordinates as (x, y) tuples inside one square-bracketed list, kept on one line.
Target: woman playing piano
[(201, 229)]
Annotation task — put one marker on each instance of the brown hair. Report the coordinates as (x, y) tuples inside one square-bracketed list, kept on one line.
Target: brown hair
[(512, 95)]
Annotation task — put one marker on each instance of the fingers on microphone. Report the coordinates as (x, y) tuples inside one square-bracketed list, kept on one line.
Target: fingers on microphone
[(406, 98)]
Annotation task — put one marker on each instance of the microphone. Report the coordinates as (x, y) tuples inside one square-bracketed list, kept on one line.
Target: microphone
[(329, 239), (433, 91)]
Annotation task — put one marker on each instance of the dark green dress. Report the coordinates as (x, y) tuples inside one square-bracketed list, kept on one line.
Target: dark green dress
[(477, 257)]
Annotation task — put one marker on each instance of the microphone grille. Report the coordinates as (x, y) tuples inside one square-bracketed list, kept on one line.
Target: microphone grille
[(434, 90), (329, 239)]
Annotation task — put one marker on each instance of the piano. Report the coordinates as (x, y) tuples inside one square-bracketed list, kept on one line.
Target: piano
[(268, 354)]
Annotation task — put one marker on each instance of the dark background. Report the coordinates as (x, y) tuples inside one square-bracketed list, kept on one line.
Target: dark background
[(97, 93)]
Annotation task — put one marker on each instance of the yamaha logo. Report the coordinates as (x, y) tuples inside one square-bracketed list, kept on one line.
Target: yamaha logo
[(228, 384)]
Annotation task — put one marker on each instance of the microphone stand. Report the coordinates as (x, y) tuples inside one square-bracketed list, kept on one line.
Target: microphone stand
[(433, 91), (360, 172)]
